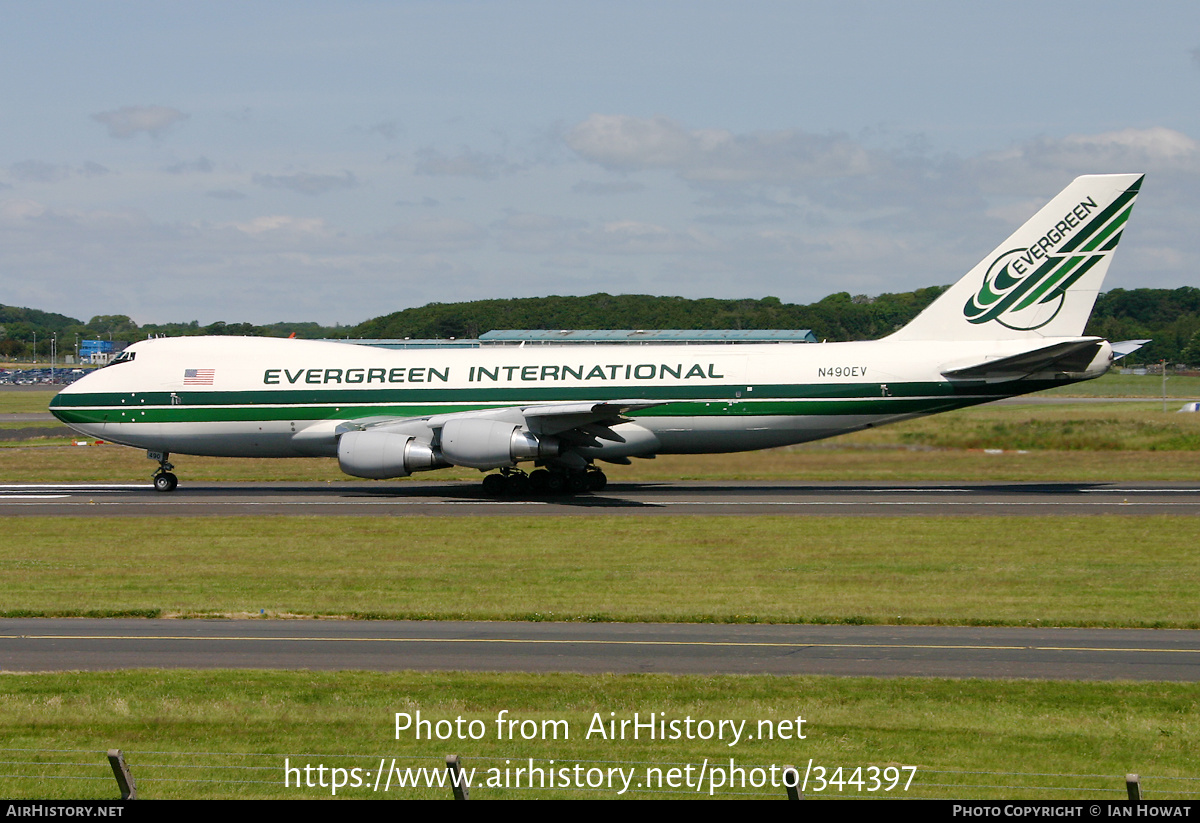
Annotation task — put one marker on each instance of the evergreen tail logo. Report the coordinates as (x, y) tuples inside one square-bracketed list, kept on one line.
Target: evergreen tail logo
[(1024, 289)]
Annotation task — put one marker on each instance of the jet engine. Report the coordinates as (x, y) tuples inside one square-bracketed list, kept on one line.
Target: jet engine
[(377, 454), (489, 444), (1101, 363)]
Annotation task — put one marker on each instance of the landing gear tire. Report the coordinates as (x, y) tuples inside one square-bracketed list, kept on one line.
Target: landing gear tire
[(507, 483), (517, 485), (164, 481), (539, 480), (494, 485)]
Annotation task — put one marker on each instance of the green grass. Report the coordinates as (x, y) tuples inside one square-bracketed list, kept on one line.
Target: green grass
[(25, 401), (1115, 384), (842, 459), (1067, 571), (225, 734), (1102, 427)]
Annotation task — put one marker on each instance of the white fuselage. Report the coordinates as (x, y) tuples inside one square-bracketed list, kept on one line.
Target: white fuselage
[(263, 397)]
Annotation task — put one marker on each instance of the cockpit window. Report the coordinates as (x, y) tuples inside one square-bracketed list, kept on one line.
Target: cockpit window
[(123, 357)]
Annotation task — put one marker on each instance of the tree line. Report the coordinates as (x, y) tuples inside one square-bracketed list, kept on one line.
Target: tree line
[(1169, 317)]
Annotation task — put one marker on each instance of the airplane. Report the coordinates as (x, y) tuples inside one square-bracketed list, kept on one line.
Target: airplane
[(1012, 325)]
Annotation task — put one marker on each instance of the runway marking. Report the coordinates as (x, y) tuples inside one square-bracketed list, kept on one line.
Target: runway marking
[(912, 491), (583, 642), (76, 486), (33, 496), (938, 503), (1139, 491), (645, 504)]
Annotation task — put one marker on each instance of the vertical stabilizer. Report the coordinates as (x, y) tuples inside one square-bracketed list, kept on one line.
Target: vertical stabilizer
[(1043, 280)]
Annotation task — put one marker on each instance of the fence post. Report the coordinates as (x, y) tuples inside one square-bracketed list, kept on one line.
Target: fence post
[(1133, 787), (793, 787), (461, 792), (124, 776)]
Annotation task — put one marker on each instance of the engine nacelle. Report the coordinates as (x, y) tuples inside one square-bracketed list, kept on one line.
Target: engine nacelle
[(1102, 362), (378, 455), (480, 443)]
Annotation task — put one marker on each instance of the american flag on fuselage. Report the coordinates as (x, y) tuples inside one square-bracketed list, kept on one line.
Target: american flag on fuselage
[(198, 377)]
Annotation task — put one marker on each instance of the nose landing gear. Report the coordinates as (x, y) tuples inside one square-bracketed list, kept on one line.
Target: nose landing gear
[(164, 480)]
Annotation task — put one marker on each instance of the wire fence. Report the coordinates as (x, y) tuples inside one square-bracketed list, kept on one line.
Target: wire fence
[(80, 773)]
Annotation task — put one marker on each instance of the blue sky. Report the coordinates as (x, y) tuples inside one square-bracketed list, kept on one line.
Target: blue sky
[(333, 162)]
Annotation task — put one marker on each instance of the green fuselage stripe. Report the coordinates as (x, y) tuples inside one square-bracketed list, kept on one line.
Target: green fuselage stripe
[(682, 401)]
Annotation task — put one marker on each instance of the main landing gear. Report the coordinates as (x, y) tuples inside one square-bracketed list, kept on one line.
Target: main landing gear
[(543, 482), (164, 480)]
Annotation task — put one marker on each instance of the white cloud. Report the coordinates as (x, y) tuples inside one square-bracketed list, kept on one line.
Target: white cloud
[(201, 165), (441, 234), (39, 171), (700, 213), (306, 183), (388, 130), (283, 224), (603, 189), (628, 143), (465, 163), (715, 156), (639, 237), (12, 211), (127, 121), (1045, 164), (536, 233)]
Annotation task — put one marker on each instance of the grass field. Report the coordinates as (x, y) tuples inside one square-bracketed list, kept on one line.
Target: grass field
[(226, 734), (1078, 571), (1115, 384), (24, 401)]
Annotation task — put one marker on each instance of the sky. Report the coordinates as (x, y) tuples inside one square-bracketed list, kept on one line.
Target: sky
[(332, 162)]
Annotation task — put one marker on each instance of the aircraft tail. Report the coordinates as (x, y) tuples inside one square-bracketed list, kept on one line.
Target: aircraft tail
[(1043, 280)]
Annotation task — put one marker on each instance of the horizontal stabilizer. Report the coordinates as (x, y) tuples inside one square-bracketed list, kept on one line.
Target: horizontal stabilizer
[(1127, 347), (1070, 356)]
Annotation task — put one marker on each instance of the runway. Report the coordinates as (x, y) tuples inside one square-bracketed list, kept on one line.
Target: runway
[(875, 651), (443, 499)]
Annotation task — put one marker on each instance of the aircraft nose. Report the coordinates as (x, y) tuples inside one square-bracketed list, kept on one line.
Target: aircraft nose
[(66, 405)]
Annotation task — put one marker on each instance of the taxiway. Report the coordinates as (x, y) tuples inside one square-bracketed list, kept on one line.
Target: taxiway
[(875, 651)]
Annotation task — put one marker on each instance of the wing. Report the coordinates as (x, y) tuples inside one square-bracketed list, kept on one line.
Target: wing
[(567, 434)]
